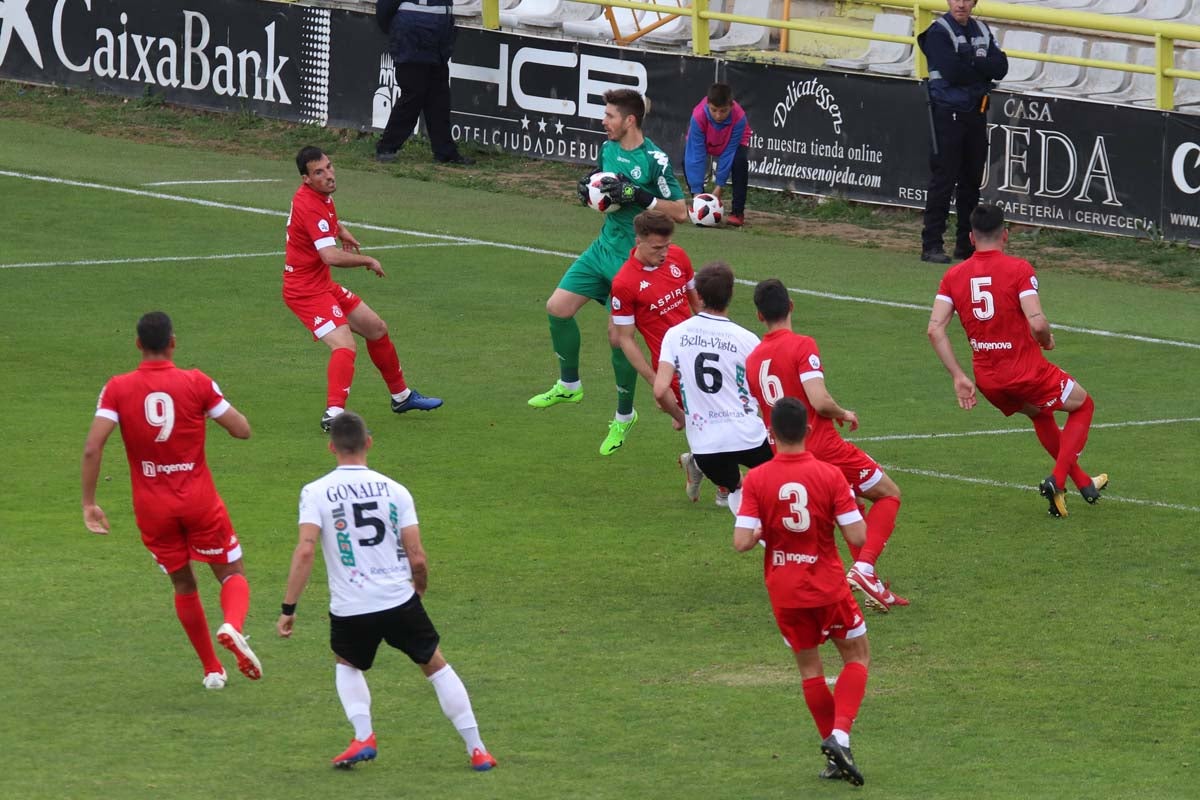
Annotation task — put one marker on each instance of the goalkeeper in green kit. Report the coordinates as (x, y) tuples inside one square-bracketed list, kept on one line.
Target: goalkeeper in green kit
[(644, 180)]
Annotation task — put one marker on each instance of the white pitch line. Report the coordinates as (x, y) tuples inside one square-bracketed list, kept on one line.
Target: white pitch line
[(900, 437), (91, 262), (202, 183), (928, 473), (537, 250)]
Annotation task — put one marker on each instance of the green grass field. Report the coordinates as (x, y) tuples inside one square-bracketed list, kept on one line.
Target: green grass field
[(614, 644)]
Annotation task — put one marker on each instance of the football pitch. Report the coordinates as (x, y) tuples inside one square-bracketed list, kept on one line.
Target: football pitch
[(613, 643)]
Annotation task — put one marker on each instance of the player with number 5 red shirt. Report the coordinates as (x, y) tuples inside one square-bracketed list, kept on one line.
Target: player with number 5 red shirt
[(996, 297), (162, 411), (790, 505), (787, 364)]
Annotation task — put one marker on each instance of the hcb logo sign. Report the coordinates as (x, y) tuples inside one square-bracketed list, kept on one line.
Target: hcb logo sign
[(509, 78)]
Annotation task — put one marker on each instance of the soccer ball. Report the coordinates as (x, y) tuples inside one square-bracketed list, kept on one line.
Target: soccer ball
[(597, 200), (706, 210)]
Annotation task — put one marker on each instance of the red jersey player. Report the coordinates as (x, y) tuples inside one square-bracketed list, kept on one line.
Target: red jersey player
[(996, 297), (652, 292), (786, 364), (791, 504), (162, 411), (316, 241)]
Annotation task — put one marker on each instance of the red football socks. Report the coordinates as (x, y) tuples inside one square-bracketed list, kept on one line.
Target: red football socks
[(881, 521), (848, 695), (383, 355), (820, 704), (1048, 433), (190, 611), (235, 600), (339, 375), (1074, 439)]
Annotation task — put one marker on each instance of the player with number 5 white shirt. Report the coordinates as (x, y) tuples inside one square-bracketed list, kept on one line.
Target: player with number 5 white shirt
[(375, 563), (719, 415)]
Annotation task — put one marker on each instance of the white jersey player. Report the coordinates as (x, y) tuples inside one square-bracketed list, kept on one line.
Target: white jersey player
[(367, 526), (708, 354)]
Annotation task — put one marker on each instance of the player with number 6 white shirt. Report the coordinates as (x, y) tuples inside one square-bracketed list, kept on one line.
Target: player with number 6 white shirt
[(366, 524), (719, 415)]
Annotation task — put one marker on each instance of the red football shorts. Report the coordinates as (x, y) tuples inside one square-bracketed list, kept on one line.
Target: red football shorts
[(805, 628), (862, 472), (321, 313), (1044, 386), (204, 535)]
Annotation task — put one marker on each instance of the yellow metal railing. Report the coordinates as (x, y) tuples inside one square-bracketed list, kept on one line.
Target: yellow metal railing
[(1163, 34)]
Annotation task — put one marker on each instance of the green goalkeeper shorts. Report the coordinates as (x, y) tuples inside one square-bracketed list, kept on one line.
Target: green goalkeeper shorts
[(592, 273)]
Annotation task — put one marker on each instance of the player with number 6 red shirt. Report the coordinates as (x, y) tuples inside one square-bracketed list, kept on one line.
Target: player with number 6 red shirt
[(996, 297), (787, 364), (162, 411), (790, 505)]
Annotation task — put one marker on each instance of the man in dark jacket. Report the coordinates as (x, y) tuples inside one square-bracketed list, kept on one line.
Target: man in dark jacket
[(421, 41), (964, 62)]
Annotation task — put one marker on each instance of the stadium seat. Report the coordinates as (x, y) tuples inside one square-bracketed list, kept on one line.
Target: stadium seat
[(881, 52), (600, 28), (1187, 92), (546, 13), (1119, 6), (474, 8), (1055, 76), (1172, 10), (677, 31), (1065, 5), (1140, 86), (1097, 80), (1022, 69), (742, 34)]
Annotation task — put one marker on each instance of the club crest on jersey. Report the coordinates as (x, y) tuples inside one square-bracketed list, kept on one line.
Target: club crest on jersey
[(337, 312), (323, 225), (636, 173), (676, 272), (813, 361), (1033, 282), (616, 304)]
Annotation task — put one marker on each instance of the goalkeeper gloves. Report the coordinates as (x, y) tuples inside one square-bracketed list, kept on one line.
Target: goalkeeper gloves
[(624, 191), (583, 188)]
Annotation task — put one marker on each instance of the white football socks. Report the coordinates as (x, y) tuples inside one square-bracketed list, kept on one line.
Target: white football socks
[(356, 699), (400, 397), (456, 705)]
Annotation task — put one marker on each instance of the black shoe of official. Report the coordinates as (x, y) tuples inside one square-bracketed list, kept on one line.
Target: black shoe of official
[(935, 257), (386, 156), (459, 159), (832, 772), (963, 251), (843, 759)]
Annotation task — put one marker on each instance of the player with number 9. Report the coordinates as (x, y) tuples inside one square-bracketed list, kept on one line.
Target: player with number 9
[(162, 411)]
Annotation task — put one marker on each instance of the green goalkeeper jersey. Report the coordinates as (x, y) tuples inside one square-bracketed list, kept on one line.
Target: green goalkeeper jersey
[(648, 167)]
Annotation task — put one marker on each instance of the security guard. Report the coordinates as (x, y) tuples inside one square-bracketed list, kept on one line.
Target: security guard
[(964, 61), (421, 40)]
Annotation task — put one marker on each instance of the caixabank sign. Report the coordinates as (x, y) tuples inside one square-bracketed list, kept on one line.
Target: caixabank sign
[(1053, 161), (220, 54)]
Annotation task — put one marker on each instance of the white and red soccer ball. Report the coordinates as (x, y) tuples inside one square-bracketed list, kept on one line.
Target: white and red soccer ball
[(706, 210), (597, 199)]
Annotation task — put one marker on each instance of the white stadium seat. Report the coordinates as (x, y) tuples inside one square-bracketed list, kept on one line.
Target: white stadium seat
[(600, 28), (474, 8), (1022, 69), (1173, 10), (1140, 86), (742, 34), (546, 13), (881, 52), (678, 31), (1055, 76), (1119, 6), (1097, 80)]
